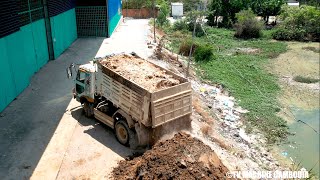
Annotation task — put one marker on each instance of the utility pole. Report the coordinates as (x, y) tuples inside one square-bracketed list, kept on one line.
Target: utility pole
[(127, 9), (191, 48), (154, 21)]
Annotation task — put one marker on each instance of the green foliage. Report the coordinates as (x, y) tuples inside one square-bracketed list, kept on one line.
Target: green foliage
[(190, 5), (198, 31), (299, 23), (228, 10), (245, 78), (247, 25), (315, 3), (163, 13), (185, 46), (203, 52), (191, 18), (267, 8), (136, 4), (307, 80), (180, 25), (289, 34)]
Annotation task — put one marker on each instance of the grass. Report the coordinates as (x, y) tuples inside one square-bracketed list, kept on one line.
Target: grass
[(307, 80), (245, 77)]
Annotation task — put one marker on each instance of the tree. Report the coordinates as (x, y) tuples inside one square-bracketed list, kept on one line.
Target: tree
[(299, 23), (310, 2), (163, 13), (227, 9), (215, 10), (266, 8)]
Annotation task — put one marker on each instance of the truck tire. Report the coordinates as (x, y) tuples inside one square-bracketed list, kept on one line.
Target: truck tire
[(88, 109), (125, 135)]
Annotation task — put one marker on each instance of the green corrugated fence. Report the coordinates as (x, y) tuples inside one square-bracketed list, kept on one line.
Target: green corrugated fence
[(64, 31), (22, 54)]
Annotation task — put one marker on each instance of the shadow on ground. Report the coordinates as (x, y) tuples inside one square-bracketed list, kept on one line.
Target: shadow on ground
[(101, 133), (29, 122)]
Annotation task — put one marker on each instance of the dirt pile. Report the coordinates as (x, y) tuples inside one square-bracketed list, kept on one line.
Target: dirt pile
[(182, 157), (141, 72)]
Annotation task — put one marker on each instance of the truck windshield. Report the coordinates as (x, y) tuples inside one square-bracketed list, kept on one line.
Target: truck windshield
[(81, 76)]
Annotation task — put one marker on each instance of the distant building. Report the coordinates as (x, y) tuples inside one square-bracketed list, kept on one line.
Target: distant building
[(177, 9), (293, 3)]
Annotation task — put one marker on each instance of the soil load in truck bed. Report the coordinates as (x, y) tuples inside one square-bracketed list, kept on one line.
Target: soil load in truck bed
[(182, 157), (140, 71)]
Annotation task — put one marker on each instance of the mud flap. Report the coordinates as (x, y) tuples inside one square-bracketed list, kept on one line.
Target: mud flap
[(143, 134)]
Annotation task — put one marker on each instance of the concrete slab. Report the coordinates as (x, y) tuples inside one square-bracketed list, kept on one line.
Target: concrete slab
[(131, 36)]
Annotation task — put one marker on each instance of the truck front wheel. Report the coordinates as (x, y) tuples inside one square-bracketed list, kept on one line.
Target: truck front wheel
[(125, 135), (88, 109)]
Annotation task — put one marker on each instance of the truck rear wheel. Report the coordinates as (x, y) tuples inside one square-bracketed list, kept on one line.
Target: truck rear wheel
[(125, 135)]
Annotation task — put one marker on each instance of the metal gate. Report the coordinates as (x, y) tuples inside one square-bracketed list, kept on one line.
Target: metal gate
[(92, 21)]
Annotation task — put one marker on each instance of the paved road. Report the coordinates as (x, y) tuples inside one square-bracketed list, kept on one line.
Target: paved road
[(131, 36), (43, 134)]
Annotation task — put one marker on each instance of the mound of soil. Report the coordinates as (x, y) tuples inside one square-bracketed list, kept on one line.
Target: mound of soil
[(182, 157), (141, 72)]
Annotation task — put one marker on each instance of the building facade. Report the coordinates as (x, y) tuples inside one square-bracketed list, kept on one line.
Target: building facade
[(32, 32)]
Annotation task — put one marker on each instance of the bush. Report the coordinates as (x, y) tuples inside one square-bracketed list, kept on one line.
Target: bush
[(203, 53), (185, 46), (198, 31), (281, 33), (247, 25), (299, 23), (180, 25)]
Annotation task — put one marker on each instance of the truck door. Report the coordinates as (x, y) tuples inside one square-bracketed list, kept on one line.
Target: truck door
[(80, 83), (85, 84)]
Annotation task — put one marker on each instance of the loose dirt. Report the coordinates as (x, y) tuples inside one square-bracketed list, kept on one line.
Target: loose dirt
[(182, 157), (141, 72)]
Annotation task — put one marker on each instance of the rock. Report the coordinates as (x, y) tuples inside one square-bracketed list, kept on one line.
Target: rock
[(244, 136), (182, 164)]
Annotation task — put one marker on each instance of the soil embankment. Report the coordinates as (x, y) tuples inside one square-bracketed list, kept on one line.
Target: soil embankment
[(182, 157)]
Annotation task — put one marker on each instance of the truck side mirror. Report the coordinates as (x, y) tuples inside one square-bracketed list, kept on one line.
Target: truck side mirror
[(69, 72)]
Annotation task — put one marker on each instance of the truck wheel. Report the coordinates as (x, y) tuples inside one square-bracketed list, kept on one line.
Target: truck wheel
[(88, 109), (125, 135)]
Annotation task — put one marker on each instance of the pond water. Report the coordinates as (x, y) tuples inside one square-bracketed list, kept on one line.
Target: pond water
[(304, 145)]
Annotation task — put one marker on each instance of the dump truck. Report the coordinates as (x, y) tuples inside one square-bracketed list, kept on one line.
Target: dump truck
[(138, 99)]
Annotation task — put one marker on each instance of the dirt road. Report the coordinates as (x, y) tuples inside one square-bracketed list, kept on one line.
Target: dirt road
[(43, 134)]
